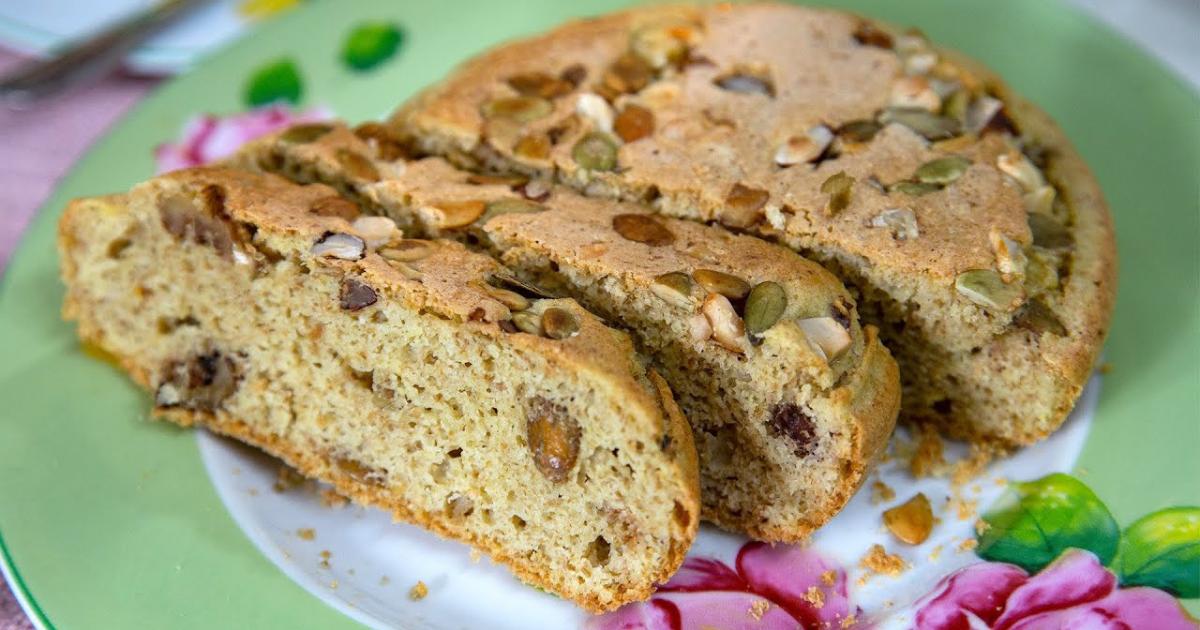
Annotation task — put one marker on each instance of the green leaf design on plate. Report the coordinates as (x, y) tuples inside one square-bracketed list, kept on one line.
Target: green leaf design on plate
[(1162, 549), (371, 44), (278, 80), (1033, 522)]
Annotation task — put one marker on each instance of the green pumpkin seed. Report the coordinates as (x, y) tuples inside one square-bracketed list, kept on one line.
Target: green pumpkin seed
[(1038, 317), (914, 189), (509, 206), (1048, 232), (942, 171), (1040, 272), (721, 283), (745, 83), (303, 134), (956, 105), (559, 323), (838, 187), (985, 287), (522, 109), (764, 306), (597, 151), (858, 131), (931, 126), (674, 288)]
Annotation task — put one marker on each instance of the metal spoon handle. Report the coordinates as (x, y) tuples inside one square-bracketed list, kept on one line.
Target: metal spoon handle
[(89, 59)]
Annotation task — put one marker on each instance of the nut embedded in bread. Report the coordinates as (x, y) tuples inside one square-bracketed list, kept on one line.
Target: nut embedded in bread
[(394, 370), (790, 399), (973, 234)]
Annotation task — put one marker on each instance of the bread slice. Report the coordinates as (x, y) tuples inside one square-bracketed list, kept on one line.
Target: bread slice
[(394, 370), (971, 231), (787, 415)]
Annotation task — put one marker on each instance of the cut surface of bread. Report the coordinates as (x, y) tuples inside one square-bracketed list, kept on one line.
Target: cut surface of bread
[(790, 399), (523, 426), (970, 230)]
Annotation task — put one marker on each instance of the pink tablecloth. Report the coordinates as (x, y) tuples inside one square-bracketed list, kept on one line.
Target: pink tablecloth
[(37, 147)]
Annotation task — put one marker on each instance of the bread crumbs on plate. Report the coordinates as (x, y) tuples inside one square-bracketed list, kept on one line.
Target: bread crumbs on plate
[(815, 596), (881, 493), (968, 545), (928, 458), (418, 591), (306, 533), (879, 561), (829, 578), (758, 609), (331, 499)]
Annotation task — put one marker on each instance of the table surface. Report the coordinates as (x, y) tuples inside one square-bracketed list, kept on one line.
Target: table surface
[(40, 145)]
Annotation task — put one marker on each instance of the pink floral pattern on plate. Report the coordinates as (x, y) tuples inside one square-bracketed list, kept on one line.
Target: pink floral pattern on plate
[(772, 587), (1073, 592), (208, 138)]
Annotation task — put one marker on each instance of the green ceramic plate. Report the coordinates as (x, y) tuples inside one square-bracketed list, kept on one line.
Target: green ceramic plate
[(108, 520)]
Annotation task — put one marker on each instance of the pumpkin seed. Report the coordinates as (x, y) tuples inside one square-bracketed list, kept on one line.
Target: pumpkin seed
[(1048, 232), (357, 166), (303, 134), (858, 131), (838, 187), (1038, 317), (535, 147), (387, 146), (642, 228), (957, 105), (1018, 167), (914, 189), (456, 214), (509, 206), (628, 74), (927, 124), (721, 283), (674, 288), (1040, 200), (596, 151), (522, 109), (573, 74), (744, 199), (558, 323), (511, 299), (985, 287), (942, 171), (406, 250), (764, 306), (540, 84), (1040, 272)]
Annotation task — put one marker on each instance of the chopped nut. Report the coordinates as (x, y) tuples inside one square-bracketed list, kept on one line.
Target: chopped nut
[(901, 221), (743, 204), (628, 74), (981, 112), (536, 190), (1040, 200), (764, 307), (826, 336), (519, 109), (559, 323), (642, 228), (375, 230), (920, 64), (725, 284), (915, 92), (511, 299), (745, 81), (912, 521), (793, 422), (554, 438), (634, 123), (698, 328), (355, 295), (806, 148), (838, 186), (674, 288), (456, 214), (357, 166), (595, 109), (727, 328), (985, 287), (340, 245), (406, 250), (379, 137), (1017, 166), (1010, 257), (528, 323), (201, 382), (1048, 232)]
